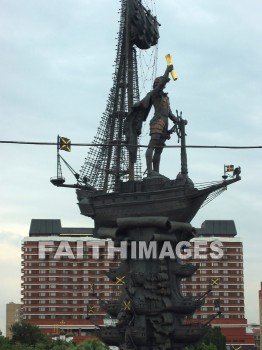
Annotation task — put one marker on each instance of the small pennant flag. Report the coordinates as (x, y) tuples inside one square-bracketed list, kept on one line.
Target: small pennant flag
[(64, 144), (229, 168)]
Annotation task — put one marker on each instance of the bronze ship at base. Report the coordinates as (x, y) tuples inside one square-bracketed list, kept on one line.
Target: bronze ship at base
[(169, 198)]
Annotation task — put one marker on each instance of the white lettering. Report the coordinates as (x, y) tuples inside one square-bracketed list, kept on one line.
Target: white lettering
[(64, 249), (217, 251), (147, 252), (167, 251), (182, 252), (112, 250), (200, 247), (42, 249)]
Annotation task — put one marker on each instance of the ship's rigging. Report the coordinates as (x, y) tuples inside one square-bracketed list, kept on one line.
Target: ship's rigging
[(106, 165)]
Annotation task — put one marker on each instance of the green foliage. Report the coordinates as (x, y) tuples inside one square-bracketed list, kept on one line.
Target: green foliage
[(214, 340), (62, 345), (4, 343), (92, 344), (202, 346), (214, 336), (27, 333), (29, 337)]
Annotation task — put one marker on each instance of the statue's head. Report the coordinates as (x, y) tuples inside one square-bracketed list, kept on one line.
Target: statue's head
[(156, 82)]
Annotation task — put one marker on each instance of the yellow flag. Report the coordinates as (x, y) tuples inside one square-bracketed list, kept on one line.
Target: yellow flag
[(64, 144)]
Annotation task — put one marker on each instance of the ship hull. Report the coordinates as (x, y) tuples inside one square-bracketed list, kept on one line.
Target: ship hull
[(177, 200), (171, 203)]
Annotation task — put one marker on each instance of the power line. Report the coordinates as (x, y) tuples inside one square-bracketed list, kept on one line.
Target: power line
[(115, 143)]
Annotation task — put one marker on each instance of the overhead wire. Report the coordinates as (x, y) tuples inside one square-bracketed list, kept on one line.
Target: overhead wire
[(38, 143)]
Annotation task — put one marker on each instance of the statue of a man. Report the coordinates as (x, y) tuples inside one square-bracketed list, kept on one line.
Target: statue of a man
[(159, 123)]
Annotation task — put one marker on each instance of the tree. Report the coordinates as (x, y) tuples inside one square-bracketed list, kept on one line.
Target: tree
[(201, 346), (213, 340), (27, 333), (215, 336), (92, 344), (62, 345), (5, 343)]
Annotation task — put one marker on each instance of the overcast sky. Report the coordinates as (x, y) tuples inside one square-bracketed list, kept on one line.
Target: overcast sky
[(56, 72)]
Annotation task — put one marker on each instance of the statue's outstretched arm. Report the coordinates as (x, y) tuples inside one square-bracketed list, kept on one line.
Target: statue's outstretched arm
[(160, 82)]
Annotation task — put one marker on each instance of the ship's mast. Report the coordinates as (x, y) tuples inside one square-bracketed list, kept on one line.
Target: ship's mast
[(107, 165), (107, 162), (130, 79)]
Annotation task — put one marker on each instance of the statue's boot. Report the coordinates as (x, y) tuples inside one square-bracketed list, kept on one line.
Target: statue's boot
[(156, 159), (149, 157)]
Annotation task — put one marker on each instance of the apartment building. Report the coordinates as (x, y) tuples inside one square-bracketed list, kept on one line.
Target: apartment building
[(13, 314), (63, 279)]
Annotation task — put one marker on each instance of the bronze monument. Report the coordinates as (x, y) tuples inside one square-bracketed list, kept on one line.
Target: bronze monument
[(152, 311)]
